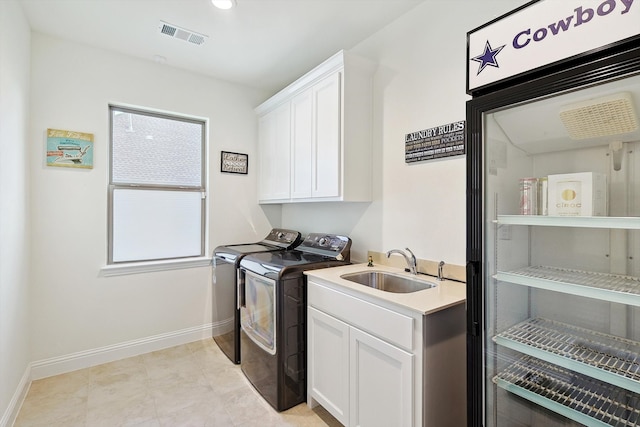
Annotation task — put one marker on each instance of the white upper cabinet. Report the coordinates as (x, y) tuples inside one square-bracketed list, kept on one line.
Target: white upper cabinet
[(274, 157), (301, 146), (330, 135), (326, 167)]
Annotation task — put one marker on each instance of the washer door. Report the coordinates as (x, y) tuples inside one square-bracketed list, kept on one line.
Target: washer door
[(258, 314)]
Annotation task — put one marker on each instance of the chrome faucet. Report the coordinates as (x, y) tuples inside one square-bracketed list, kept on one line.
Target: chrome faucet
[(440, 265), (411, 261)]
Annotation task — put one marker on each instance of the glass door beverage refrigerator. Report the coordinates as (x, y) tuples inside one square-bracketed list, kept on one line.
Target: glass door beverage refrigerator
[(553, 216)]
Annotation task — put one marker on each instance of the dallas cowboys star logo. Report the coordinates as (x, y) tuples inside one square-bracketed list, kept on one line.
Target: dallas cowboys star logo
[(488, 57)]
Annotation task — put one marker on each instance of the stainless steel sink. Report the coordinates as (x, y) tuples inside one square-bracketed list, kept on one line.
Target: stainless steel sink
[(388, 282)]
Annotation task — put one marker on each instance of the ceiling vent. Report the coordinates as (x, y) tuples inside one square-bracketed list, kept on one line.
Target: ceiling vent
[(605, 116), (181, 33)]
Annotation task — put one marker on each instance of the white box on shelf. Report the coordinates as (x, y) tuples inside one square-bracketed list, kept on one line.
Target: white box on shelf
[(578, 194)]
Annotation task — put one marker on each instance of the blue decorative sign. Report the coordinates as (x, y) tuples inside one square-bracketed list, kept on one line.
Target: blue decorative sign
[(69, 149)]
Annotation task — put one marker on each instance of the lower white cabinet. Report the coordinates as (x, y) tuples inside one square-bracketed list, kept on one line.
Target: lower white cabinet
[(374, 363), (381, 382), (361, 379), (328, 363)]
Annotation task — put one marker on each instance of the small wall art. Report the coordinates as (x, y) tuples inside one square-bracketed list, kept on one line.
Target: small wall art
[(234, 162), (435, 143), (69, 149)]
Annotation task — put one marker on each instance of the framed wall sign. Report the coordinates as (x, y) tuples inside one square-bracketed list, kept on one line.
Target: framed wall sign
[(234, 162), (435, 143), (69, 149)]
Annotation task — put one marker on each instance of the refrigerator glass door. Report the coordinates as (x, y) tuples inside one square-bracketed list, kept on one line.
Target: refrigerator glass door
[(257, 316), (561, 244)]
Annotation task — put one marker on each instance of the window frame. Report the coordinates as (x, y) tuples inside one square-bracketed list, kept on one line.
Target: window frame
[(156, 264)]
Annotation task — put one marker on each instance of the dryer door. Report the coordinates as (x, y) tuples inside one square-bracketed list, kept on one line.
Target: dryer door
[(258, 314)]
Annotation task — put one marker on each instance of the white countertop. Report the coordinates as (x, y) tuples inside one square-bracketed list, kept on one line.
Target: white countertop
[(445, 294)]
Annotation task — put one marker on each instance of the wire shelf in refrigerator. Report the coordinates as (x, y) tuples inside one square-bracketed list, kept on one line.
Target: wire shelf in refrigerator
[(631, 223), (573, 395), (606, 357), (603, 286)]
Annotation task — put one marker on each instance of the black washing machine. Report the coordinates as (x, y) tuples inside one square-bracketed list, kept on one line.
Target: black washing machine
[(273, 312), (226, 260)]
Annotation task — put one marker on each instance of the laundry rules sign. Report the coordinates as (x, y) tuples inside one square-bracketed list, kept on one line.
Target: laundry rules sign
[(435, 143)]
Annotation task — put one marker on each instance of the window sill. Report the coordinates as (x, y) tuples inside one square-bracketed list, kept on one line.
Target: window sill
[(151, 266)]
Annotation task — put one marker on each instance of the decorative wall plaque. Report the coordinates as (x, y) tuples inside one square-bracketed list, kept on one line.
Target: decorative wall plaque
[(69, 149), (234, 162), (435, 143)]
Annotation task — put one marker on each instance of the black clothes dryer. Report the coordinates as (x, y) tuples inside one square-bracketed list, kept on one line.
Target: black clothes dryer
[(225, 308)]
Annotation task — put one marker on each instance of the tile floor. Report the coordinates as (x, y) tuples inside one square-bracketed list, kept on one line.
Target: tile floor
[(188, 385)]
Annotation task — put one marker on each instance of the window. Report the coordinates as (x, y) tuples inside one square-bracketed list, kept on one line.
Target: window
[(157, 191)]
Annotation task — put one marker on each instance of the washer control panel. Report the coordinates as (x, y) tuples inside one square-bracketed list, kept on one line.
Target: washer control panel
[(282, 237), (330, 245)]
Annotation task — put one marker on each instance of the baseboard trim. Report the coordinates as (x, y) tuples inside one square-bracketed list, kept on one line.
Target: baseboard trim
[(84, 359), (10, 415)]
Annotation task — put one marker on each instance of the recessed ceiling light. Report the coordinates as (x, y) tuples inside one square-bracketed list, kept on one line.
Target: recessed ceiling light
[(224, 4)]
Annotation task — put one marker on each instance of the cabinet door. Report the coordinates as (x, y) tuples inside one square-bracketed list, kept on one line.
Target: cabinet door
[(381, 379), (301, 144), (274, 154), (327, 149), (328, 364)]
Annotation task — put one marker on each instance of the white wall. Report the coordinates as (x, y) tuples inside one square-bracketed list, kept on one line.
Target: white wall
[(73, 309), (14, 207), (420, 83)]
